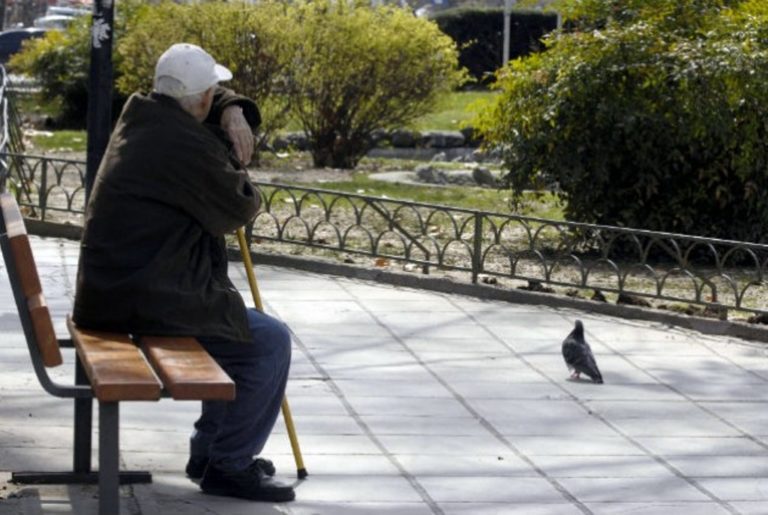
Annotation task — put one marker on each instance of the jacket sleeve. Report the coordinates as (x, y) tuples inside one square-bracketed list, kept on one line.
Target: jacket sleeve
[(223, 98), (208, 187)]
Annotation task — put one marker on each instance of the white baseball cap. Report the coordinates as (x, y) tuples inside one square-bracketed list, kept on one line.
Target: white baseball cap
[(193, 69)]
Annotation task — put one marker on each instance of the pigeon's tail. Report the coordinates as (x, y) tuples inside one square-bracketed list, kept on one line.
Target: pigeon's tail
[(593, 372)]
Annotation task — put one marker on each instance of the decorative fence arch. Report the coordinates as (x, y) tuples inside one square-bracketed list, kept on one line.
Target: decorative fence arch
[(670, 267)]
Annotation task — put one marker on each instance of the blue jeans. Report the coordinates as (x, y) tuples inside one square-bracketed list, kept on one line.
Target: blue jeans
[(231, 433)]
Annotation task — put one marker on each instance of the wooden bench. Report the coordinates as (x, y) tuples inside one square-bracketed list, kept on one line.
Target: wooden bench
[(109, 367)]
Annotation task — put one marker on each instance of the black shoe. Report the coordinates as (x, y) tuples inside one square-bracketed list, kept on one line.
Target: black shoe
[(196, 467), (251, 483)]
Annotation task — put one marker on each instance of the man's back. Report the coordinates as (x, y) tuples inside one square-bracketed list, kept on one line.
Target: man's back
[(152, 251)]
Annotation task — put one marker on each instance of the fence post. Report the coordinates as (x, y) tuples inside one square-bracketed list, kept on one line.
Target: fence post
[(477, 248), (42, 193)]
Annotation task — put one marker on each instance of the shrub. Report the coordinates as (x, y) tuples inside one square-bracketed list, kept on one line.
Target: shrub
[(356, 69), (657, 121), (248, 39), (245, 38), (344, 69), (60, 62), (480, 35)]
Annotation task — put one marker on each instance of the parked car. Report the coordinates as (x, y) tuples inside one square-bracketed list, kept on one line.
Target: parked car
[(54, 21), (11, 40), (57, 10)]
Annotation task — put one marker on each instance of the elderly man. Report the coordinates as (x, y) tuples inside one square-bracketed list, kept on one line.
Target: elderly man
[(153, 257)]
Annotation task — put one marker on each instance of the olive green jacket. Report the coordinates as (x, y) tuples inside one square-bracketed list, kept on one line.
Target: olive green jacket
[(153, 258)]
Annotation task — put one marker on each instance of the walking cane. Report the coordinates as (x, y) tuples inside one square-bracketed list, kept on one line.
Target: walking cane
[(301, 471)]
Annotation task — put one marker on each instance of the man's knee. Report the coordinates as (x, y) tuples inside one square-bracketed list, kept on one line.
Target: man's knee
[(279, 339), (272, 334)]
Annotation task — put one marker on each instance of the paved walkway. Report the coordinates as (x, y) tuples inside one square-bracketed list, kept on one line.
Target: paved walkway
[(416, 403)]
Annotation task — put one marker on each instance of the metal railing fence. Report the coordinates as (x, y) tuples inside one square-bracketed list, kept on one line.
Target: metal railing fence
[(475, 244)]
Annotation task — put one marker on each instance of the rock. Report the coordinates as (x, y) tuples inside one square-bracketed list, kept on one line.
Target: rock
[(487, 279), (471, 137), (631, 300), (487, 155), (440, 156), (483, 177), (379, 137), (443, 139), (279, 143), (402, 138), (298, 140), (760, 318), (461, 178), (536, 286), (718, 311), (430, 175)]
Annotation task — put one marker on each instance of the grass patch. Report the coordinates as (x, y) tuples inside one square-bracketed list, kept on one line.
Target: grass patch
[(454, 111), (482, 199), (59, 141)]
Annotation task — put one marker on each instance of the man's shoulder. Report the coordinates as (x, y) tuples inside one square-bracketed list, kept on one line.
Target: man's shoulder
[(159, 121)]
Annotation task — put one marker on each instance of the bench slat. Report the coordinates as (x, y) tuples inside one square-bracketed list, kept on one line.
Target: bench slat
[(14, 222), (26, 280), (115, 366), (45, 334), (25, 265), (186, 369)]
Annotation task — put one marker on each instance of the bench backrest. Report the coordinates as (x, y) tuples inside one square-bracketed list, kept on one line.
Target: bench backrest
[(27, 290)]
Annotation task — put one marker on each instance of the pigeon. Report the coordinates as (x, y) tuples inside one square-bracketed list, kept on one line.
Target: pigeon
[(578, 355)]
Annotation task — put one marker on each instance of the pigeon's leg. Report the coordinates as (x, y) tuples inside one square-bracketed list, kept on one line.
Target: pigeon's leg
[(575, 375)]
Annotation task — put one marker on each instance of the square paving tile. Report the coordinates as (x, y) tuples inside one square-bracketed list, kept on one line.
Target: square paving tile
[(601, 466), (359, 489), (459, 465), (490, 489), (444, 445), (470, 508), (633, 489), (657, 508), (400, 406), (702, 446), (737, 489), (301, 507), (582, 444), (424, 426), (721, 466)]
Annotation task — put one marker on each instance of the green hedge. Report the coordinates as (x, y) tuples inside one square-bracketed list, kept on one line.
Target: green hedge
[(480, 36), (659, 120)]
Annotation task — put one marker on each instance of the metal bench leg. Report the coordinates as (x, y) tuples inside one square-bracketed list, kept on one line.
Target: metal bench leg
[(109, 465), (83, 426), (81, 470)]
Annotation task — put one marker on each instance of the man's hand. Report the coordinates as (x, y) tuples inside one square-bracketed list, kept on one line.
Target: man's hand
[(235, 125)]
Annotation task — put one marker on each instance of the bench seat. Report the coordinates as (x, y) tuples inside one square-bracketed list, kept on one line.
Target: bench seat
[(118, 370), (115, 366), (186, 369)]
